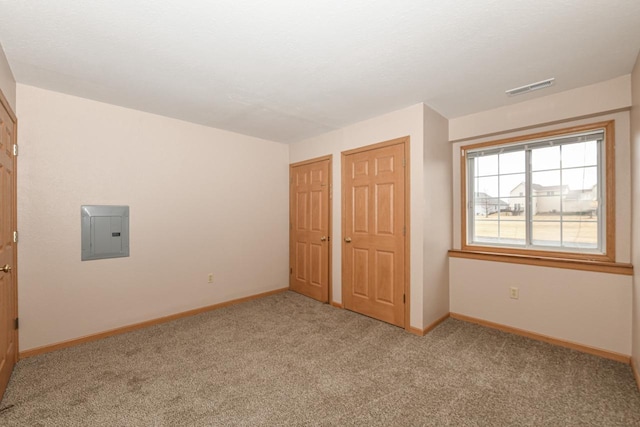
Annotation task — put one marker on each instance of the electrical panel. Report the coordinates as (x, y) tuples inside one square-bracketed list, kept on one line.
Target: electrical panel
[(105, 231)]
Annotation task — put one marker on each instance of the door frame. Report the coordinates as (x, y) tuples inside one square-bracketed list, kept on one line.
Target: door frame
[(330, 217), (14, 208), (405, 141)]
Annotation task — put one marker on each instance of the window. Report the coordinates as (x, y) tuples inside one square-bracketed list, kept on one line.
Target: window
[(550, 192)]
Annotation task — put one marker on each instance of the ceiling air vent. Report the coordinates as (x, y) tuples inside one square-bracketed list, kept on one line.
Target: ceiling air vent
[(530, 87)]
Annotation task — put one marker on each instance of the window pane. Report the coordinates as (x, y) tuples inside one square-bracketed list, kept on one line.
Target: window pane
[(546, 205), (512, 162), (582, 154), (491, 230), (546, 193), (542, 180), (579, 233), (546, 233), (583, 196), (486, 205), (487, 165), (516, 207), (580, 178), (545, 158), (485, 230), (487, 187), (518, 201), (512, 185), (513, 231)]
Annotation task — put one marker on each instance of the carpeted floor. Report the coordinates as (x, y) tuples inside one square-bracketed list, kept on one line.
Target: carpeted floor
[(288, 360)]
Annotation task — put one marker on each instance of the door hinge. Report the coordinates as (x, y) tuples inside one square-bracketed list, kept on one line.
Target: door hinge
[(15, 149), (17, 323), (15, 237), (404, 298), (404, 162), (404, 230), (291, 270)]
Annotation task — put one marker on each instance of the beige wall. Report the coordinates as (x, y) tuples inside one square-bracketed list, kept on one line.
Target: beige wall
[(635, 168), (7, 82), (202, 200), (607, 96), (408, 121), (592, 309), (587, 308), (436, 216)]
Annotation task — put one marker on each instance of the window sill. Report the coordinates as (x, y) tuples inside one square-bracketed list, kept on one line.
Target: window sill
[(572, 264)]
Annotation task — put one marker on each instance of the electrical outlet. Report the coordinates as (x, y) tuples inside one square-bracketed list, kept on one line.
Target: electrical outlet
[(514, 292), (210, 278)]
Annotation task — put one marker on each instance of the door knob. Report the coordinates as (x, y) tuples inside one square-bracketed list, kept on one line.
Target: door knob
[(323, 238), (347, 239), (6, 268)]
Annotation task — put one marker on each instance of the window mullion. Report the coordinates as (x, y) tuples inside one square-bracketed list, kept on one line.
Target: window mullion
[(498, 196), (528, 198), (561, 201), (471, 191), (601, 210)]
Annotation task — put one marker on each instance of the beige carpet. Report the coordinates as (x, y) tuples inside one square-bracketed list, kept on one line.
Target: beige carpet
[(287, 360)]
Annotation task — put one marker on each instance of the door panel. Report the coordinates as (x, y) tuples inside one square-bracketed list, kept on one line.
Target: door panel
[(309, 239), (373, 222), (8, 294), (384, 211), (360, 272), (385, 262)]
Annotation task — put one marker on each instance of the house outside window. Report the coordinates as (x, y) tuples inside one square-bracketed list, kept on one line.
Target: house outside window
[(549, 193)]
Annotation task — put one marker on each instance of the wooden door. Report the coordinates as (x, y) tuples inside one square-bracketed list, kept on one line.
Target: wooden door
[(8, 256), (309, 248), (373, 218)]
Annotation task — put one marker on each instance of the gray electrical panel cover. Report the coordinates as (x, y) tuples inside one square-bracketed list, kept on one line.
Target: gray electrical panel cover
[(105, 232)]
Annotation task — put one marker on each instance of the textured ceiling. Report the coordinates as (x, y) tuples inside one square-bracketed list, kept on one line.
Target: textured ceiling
[(289, 69)]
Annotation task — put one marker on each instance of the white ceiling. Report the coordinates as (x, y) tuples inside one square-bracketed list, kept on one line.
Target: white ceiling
[(289, 69)]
